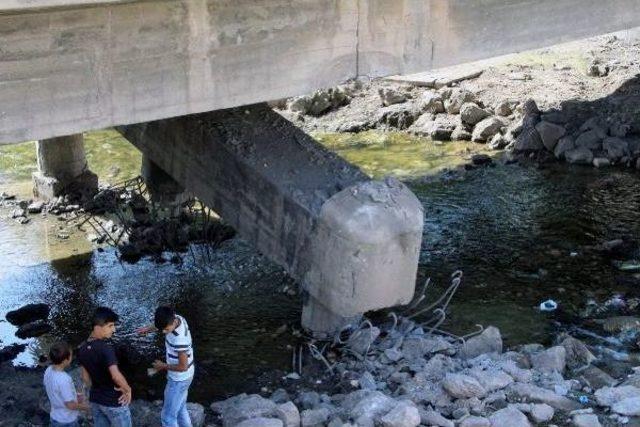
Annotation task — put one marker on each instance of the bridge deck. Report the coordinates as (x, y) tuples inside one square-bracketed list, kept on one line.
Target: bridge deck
[(72, 65)]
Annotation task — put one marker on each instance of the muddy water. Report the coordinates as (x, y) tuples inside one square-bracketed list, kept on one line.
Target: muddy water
[(521, 235)]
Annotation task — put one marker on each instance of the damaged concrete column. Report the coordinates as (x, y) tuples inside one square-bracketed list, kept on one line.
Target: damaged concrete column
[(161, 186), (62, 169), (351, 242)]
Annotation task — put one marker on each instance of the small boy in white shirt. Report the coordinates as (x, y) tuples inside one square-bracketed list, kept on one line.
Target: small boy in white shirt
[(60, 388)]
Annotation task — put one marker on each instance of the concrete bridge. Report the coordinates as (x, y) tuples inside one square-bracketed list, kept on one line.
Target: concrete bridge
[(168, 74)]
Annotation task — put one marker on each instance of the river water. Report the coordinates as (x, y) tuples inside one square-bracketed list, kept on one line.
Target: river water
[(521, 235)]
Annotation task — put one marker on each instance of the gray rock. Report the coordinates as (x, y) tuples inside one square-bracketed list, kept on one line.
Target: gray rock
[(565, 144), (289, 415), (486, 129), (517, 373), (400, 116), (594, 377), (528, 140), (314, 417), (533, 393), (393, 354), (553, 359), (473, 421), (586, 420), (509, 416), (196, 413), (367, 403), (463, 386), (456, 99), (391, 96), (367, 381), (629, 406), (35, 207), (309, 399), (433, 418), (18, 213), (597, 69), (361, 341), (591, 140), (498, 142), (471, 114), (431, 102), (242, 407), (319, 102), (579, 156), (423, 125), (404, 414), (504, 108), (489, 341), (442, 128), (615, 148), (609, 396), (601, 162), (460, 133), (550, 134), (541, 413), (260, 422), (492, 379), (280, 396)]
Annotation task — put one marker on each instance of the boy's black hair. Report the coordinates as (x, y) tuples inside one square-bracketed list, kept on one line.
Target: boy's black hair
[(163, 317), (59, 352), (104, 315)]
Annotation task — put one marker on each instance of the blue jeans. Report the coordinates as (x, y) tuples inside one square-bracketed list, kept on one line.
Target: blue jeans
[(174, 411), (109, 416), (54, 423)]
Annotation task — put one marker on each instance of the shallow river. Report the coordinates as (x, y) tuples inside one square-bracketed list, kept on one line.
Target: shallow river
[(520, 234)]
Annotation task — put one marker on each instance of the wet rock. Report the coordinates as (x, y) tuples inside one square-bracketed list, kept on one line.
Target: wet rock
[(391, 96), (481, 159), (35, 207), (474, 421), (471, 114), (579, 156), (289, 415), (609, 396), (550, 134), (242, 407), (400, 116), (27, 314), (314, 417), (585, 420), (577, 353), (509, 416), (196, 413), (463, 386), (489, 341), (629, 406), (551, 360), (33, 329), (486, 129), (456, 99), (10, 352), (259, 422), (433, 418), (601, 162), (431, 102), (361, 340), (615, 148), (533, 393), (442, 128), (541, 413), (460, 133), (404, 414), (590, 140)]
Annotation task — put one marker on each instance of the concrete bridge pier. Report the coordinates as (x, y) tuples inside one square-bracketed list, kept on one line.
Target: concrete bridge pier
[(352, 243), (162, 188), (62, 169)]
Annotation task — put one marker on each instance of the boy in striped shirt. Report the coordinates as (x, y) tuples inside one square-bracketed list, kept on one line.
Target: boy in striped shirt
[(179, 365)]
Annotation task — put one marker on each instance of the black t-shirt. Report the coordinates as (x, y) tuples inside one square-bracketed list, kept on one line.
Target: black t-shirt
[(96, 356)]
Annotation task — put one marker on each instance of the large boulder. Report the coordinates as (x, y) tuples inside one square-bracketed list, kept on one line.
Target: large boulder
[(550, 360), (577, 353), (471, 114), (33, 329), (242, 407), (442, 128), (27, 314), (550, 134), (609, 396), (590, 140), (456, 99), (431, 102), (615, 148), (579, 156), (486, 129)]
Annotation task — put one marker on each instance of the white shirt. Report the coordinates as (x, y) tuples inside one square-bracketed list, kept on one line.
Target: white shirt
[(178, 341), (60, 389)]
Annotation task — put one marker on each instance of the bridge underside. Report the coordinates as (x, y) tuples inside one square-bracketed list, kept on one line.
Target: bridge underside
[(67, 66)]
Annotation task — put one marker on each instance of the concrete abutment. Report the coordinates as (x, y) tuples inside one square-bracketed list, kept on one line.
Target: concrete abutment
[(63, 169), (351, 242), (162, 188)]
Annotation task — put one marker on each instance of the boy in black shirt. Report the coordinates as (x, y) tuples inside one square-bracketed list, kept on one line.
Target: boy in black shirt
[(110, 393)]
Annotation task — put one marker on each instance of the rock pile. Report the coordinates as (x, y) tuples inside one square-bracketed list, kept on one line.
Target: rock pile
[(402, 376)]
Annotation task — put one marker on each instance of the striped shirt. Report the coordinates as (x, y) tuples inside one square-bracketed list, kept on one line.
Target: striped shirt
[(179, 340)]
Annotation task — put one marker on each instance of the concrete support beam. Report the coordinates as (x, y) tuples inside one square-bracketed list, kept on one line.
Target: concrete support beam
[(87, 64), (62, 169), (161, 186), (352, 243)]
